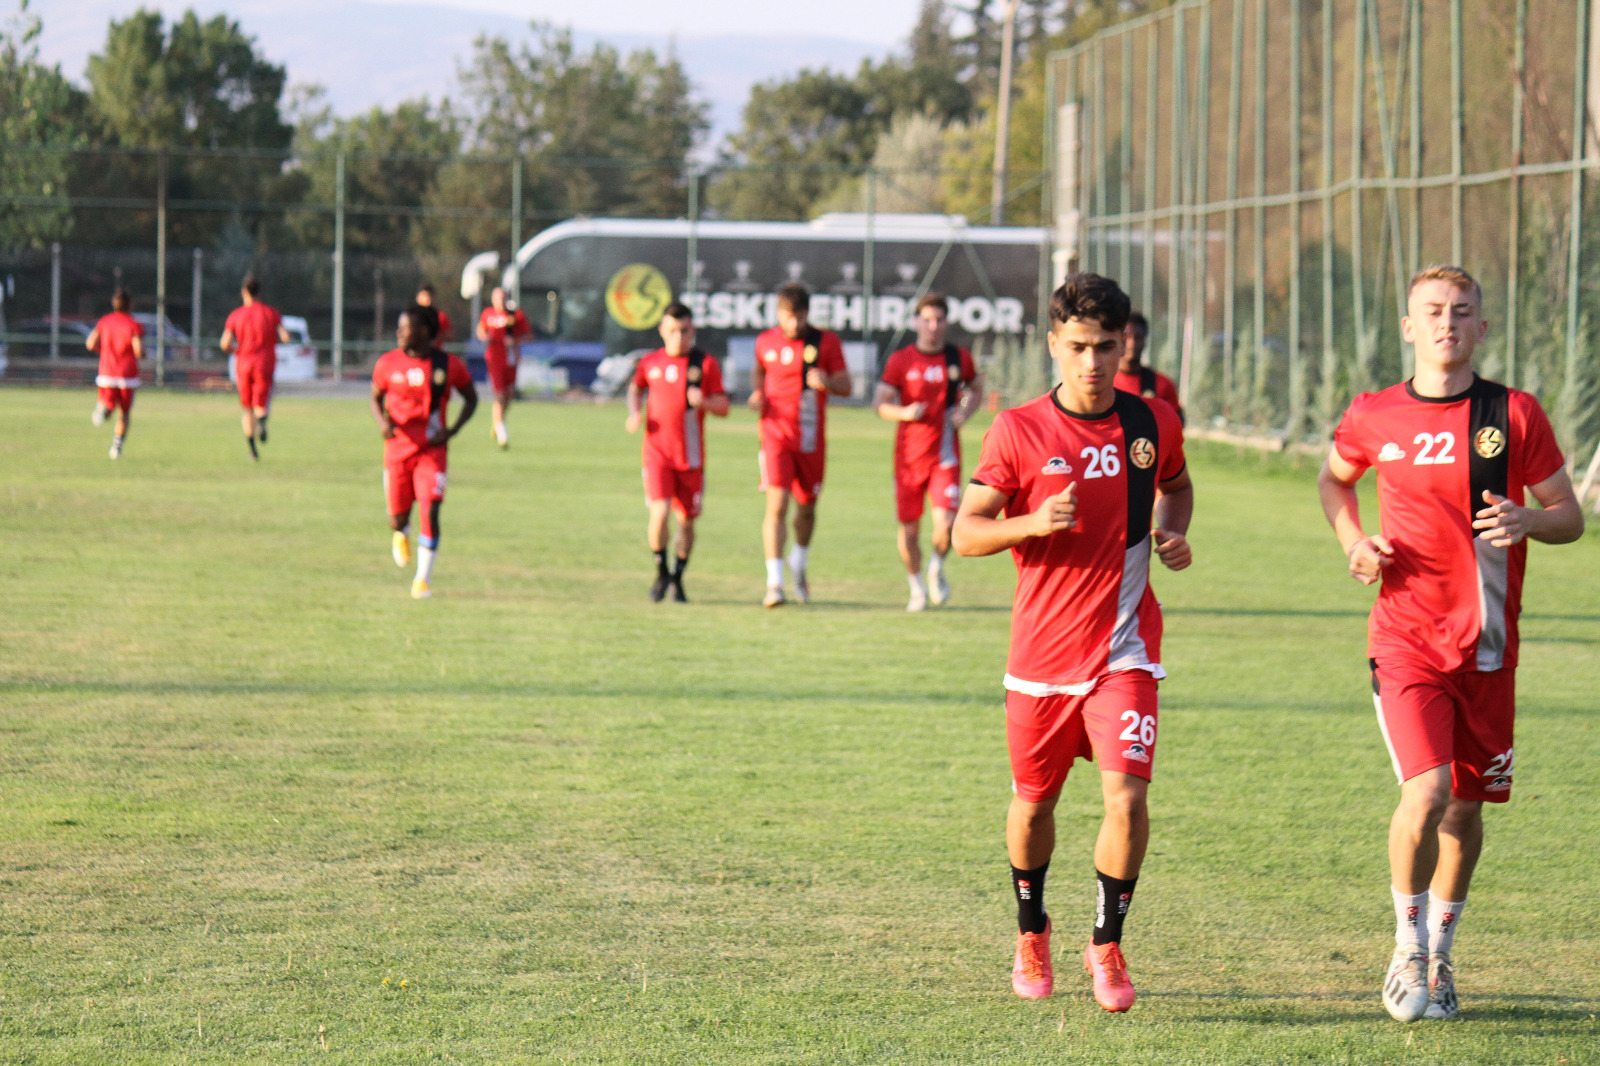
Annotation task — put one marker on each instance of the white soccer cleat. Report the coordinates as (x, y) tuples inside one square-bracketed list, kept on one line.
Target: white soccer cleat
[(938, 587), (918, 601), (116, 449), (802, 588), (1441, 988), (774, 597), (1405, 986)]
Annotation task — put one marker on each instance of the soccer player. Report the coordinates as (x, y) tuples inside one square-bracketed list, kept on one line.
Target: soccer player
[(410, 402), (252, 332), (797, 367), (1133, 376), (681, 383), (446, 328), (1079, 474), (120, 342), (501, 328), (930, 388), (1453, 453)]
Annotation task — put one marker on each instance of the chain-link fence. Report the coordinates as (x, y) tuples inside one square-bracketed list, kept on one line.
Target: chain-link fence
[(344, 241), (1265, 175)]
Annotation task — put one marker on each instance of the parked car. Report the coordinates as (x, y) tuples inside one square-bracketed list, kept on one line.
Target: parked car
[(297, 360), (74, 331)]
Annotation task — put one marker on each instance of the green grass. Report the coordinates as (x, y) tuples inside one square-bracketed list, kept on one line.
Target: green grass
[(254, 798)]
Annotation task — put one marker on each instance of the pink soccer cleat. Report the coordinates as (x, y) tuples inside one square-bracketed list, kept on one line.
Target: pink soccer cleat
[(1112, 989), (1031, 976)]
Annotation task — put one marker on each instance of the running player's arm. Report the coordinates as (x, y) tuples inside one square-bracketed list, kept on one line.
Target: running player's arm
[(482, 331), (978, 530), (1336, 485), (226, 343), (380, 413), (1557, 520), (638, 389), (971, 393), (1173, 511), (92, 341), (461, 381), (712, 396), (758, 379), (831, 373), (886, 401)]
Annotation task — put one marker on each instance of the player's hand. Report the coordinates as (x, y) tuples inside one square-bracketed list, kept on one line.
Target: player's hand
[(693, 396), (757, 402), (388, 428), (915, 412), (1173, 549), (1503, 522), (816, 379), (1056, 513), (1368, 557), (958, 417), (634, 418), (439, 438)]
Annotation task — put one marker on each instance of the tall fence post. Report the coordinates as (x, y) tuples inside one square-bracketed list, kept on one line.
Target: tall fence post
[(1580, 141), (195, 295), (1230, 236), (338, 267), (692, 275), (1297, 373), (1455, 131), (1514, 242), (55, 299), (161, 268), (867, 267), (516, 228)]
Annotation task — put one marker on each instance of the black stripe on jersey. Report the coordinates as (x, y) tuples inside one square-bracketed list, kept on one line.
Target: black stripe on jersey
[(1490, 410), (1138, 421)]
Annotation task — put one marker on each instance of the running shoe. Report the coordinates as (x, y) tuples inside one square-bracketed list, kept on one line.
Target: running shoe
[(401, 549), (1031, 975), (802, 588), (1405, 986), (658, 587), (774, 597), (1112, 989), (918, 601), (1441, 988), (420, 590), (938, 587)]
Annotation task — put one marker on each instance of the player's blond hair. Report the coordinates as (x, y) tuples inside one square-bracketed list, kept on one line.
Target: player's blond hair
[(1450, 275)]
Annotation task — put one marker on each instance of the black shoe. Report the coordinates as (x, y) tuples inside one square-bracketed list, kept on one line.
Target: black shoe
[(252, 442), (261, 428), (677, 591), (658, 588)]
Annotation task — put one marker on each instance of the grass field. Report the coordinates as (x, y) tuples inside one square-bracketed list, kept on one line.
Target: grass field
[(260, 805)]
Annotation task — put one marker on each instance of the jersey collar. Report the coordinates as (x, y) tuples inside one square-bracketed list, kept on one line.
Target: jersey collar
[(1056, 400), (1457, 398)]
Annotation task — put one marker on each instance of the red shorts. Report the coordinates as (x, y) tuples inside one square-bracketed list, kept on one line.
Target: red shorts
[(1463, 719), (119, 399), (798, 472), (419, 476), (502, 371), (1115, 725), (918, 478), (255, 380), (683, 487)]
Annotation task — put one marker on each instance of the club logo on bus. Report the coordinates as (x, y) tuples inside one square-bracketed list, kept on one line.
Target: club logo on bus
[(637, 296), (847, 312)]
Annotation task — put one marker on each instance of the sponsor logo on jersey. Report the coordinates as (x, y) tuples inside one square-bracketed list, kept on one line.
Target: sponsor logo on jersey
[(1136, 752), (1390, 452), (1056, 465), (1489, 442), (1142, 452), (1499, 784)]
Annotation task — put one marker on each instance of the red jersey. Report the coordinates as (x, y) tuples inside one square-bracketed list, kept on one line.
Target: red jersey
[(119, 366), (408, 397), (674, 432), (920, 378), (1448, 598), (255, 331), (795, 416), (1083, 606), (497, 324), (1150, 384)]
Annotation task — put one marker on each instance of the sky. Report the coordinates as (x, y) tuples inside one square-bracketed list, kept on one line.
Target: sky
[(349, 46)]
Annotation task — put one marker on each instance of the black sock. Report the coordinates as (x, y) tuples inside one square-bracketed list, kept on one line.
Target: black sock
[(661, 563), (1029, 887), (261, 428), (677, 569), (1111, 907), (252, 442)]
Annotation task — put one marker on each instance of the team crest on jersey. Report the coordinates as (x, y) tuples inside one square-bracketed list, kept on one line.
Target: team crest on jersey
[(1489, 442), (1137, 753), (1056, 465), (1142, 453), (809, 355), (693, 376), (654, 373), (438, 377), (1391, 452)]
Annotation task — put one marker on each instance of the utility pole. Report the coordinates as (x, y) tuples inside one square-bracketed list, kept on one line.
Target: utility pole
[(1002, 133)]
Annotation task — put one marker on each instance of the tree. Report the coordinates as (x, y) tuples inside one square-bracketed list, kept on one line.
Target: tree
[(201, 85), (39, 109)]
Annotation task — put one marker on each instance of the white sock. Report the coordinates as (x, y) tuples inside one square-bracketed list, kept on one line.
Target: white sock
[(425, 562), (1443, 917), (797, 560), (774, 573), (1410, 918), (500, 433), (917, 587), (935, 566)]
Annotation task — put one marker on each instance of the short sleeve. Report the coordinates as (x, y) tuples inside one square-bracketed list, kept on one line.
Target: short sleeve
[(1166, 390), (231, 323), (1347, 438), (711, 380), (137, 330), (997, 463), (380, 380), (1541, 455), (1170, 432), (894, 372), (460, 376), (969, 369), (830, 354), (277, 323)]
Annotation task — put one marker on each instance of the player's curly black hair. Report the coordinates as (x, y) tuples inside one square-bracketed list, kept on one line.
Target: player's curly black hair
[(1091, 298), (426, 317)]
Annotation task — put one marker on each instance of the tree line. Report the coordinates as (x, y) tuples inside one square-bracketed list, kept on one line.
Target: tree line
[(597, 131)]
